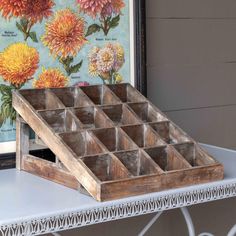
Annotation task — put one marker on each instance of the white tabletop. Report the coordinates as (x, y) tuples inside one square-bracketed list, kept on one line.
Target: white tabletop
[(34, 205)]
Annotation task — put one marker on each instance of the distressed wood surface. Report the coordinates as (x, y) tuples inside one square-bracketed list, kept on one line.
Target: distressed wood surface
[(22, 141), (116, 144), (49, 170)]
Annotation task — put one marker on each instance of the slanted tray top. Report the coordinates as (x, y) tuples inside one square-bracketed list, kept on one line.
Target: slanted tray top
[(114, 141)]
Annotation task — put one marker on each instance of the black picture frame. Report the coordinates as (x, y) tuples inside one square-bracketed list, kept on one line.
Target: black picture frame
[(8, 160), (140, 46)]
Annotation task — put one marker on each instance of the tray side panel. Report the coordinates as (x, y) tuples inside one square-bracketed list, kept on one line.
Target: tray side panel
[(75, 166)]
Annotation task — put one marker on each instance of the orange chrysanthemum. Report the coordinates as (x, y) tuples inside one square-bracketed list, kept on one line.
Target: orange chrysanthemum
[(10, 8), (36, 10), (18, 63), (51, 78), (65, 34)]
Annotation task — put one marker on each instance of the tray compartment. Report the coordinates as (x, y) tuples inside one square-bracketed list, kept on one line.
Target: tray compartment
[(106, 167), (123, 160), (167, 158), (194, 155), (146, 112), (114, 139), (61, 120), (92, 118), (82, 143), (138, 162), (41, 99), (120, 115), (100, 95), (72, 97), (170, 133), (143, 135), (126, 93)]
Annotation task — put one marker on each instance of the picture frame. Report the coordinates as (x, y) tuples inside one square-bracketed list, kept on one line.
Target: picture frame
[(138, 52)]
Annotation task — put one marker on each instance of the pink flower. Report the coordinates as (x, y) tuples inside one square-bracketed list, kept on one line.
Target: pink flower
[(81, 84), (92, 7), (113, 7), (107, 10)]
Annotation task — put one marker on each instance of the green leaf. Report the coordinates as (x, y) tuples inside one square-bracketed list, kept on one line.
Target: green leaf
[(75, 68), (24, 22), (5, 90), (67, 61), (114, 22), (19, 27), (93, 29), (33, 36)]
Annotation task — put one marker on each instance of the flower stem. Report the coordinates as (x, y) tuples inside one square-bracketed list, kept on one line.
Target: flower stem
[(27, 30), (105, 26)]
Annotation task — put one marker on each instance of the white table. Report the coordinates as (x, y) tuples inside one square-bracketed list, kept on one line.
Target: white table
[(31, 206)]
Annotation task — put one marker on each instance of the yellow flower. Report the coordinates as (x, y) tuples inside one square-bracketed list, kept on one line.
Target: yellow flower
[(120, 52), (93, 69), (118, 78), (18, 63), (65, 34), (51, 78)]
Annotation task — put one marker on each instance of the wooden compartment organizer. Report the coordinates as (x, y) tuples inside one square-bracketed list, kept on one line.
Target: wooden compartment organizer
[(109, 141)]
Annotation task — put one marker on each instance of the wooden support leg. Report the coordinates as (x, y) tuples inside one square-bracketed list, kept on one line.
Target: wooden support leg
[(22, 141)]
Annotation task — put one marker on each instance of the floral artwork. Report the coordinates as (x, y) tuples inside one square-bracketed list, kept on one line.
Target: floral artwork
[(30, 12), (106, 62), (65, 37), (107, 12), (51, 78), (18, 63), (55, 43)]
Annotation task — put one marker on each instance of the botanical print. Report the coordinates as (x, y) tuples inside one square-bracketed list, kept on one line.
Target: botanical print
[(64, 37), (57, 43), (51, 78), (105, 62), (18, 63), (30, 12), (107, 12)]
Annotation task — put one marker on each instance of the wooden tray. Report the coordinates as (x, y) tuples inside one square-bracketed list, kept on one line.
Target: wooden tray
[(109, 139)]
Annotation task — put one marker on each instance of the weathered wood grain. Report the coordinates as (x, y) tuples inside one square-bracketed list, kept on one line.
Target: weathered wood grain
[(100, 95), (115, 143), (22, 141), (49, 170), (74, 165), (92, 117), (126, 93), (154, 183), (143, 135), (120, 115)]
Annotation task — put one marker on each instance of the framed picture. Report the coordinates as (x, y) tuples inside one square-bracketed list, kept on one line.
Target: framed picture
[(54, 43)]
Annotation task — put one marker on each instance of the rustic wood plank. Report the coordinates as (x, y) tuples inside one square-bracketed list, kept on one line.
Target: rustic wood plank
[(117, 189), (22, 141), (74, 165), (50, 171), (107, 160)]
